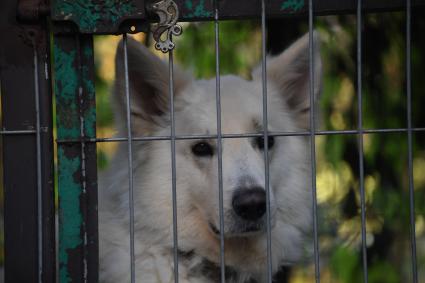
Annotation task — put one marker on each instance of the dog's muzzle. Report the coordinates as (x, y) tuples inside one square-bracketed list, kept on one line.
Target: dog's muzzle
[(247, 215)]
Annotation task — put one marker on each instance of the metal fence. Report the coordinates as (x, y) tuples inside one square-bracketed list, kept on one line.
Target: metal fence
[(27, 126)]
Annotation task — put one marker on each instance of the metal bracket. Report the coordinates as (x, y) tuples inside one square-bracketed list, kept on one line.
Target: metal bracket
[(168, 14)]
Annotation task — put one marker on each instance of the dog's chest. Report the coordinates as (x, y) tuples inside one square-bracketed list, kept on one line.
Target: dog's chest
[(211, 272), (206, 271)]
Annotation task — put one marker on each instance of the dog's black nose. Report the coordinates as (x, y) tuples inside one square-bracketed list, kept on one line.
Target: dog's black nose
[(250, 204)]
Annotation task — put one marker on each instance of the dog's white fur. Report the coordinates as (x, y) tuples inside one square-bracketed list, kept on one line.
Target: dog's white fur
[(197, 177)]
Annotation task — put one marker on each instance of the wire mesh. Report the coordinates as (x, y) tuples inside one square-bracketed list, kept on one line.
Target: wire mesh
[(236, 136), (39, 181), (37, 133), (313, 137), (219, 140), (410, 140), (130, 162), (312, 133), (266, 138), (173, 166), (360, 139), (409, 130)]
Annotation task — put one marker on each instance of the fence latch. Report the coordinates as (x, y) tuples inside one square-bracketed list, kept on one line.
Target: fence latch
[(168, 14)]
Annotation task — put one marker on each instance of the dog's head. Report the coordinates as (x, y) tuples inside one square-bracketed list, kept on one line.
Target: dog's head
[(243, 167)]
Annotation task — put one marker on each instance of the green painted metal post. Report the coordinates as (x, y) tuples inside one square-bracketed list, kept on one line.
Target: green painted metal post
[(77, 173)]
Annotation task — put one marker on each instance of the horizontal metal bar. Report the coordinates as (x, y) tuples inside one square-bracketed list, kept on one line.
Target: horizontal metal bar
[(132, 16), (245, 135), (279, 9), (19, 132)]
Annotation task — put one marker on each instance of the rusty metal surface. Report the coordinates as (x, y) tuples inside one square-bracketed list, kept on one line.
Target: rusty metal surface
[(93, 16), (77, 171), (118, 16), (22, 253)]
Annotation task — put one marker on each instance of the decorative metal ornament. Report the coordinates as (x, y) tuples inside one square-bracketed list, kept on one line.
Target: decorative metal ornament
[(168, 14)]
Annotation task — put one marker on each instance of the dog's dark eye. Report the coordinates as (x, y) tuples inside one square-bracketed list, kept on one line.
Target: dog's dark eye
[(202, 149), (260, 142)]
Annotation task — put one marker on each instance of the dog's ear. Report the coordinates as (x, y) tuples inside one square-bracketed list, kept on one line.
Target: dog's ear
[(289, 71), (149, 87)]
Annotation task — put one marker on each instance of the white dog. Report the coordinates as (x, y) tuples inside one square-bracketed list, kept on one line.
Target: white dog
[(197, 172)]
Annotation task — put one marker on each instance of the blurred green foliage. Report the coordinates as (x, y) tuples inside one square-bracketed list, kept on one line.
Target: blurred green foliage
[(239, 48)]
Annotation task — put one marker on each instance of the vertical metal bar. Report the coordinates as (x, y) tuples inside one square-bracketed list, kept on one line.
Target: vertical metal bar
[(39, 177), (46, 157), (90, 205), (313, 138), (266, 138), (173, 168), (77, 163), (219, 141), (130, 162), (360, 138), (410, 139)]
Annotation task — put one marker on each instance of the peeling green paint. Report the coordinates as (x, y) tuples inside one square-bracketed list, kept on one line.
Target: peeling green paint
[(90, 112), (66, 74), (295, 5), (188, 4), (66, 88), (73, 59), (88, 52), (90, 122), (69, 189), (69, 215), (89, 14), (197, 11), (66, 84)]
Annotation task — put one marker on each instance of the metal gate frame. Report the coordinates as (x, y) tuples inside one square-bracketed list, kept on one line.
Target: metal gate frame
[(27, 127), (27, 144)]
